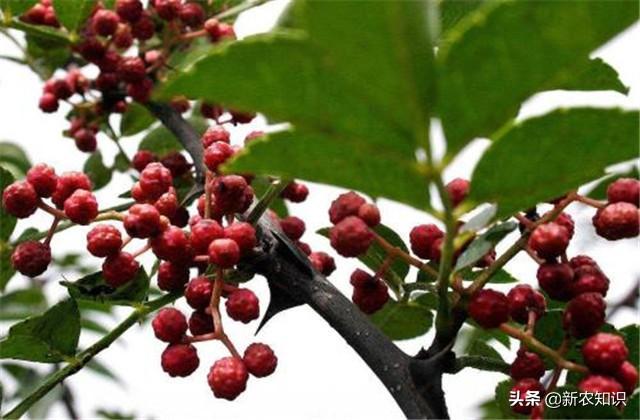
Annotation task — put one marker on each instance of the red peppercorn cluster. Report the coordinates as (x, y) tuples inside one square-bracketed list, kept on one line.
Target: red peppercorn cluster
[(115, 41)]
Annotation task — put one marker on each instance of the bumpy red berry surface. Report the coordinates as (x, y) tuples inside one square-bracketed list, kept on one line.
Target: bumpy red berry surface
[(129, 10), (228, 378), (104, 240), (119, 269), (142, 221), (198, 293), (422, 238), (624, 190), (48, 103), (522, 388), (216, 154), (549, 240), (105, 22), (69, 182), (180, 360), (293, 227), (604, 352), (142, 158), (345, 205), (20, 199), (155, 180), (169, 325), (523, 300), (243, 305), (585, 282), (172, 245), (260, 360), (369, 214), (489, 308), (617, 221), (224, 253), (322, 262), (243, 234), (627, 375), (600, 384), (215, 133), (43, 178), (31, 258), (81, 207), (295, 192), (584, 314), (176, 163), (191, 14), (200, 323), (556, 279), (168, 204), (527, 365), (86, 140), (203, 233), (351, 237), (458, 189)]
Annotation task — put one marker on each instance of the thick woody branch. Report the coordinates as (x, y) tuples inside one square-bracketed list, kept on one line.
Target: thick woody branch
[(414, 384)]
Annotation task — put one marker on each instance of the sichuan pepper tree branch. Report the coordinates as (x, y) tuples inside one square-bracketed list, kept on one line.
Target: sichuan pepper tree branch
[(289, 272)]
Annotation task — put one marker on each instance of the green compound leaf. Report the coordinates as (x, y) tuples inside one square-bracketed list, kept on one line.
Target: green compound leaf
[(47, 338), (484, 243), (504, 52), (73, 13), (547, 156), (136, 119), (162, 141), (98, 172)]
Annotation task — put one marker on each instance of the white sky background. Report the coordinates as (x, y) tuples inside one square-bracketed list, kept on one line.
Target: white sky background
[(318, 375)]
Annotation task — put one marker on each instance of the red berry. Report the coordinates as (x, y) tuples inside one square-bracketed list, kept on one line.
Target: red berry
[(489, 308), (351, 237), (218, 30), (172, 245), (527, 365), (61, 89), (617, 221), (180, 104), (31, 258), (191, 14), (216, 133), (584, 314), (585, 282), (627, 375), (172, 276), (224, 253), (243, 305), (142, 158), (369, 294), (129, 10), (200, 323), (345, 205), (169, 325), (168, 204), (144, 28), (155, 180), (556, 280), (523, 388), (43, 178), (522, 300), (123, 38), (198, 293), (216, 154), (369, 214), (69, 182), (604, 352), (293, 227), (322, 262), (105, 22), (104, 240), (243, 234), (549, 240), (48, 103), (167, 9), (295, 192), (228, 378), (180, 360), (119, 269), (92, 50), (203, 233), (624, 190), (20, 199), (239, 117), (599, 384), (142, 221), (566, 221), (107, 81), (81, 207), (232, 194), (304, 247), (422, 238), (458, 189), (260, 360), (140, 91), (582, 260), (35, 15), (131, 69), (176, 163), (85, 140)]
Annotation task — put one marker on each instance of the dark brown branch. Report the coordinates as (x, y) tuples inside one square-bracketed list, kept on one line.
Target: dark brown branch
[(415, 384)]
